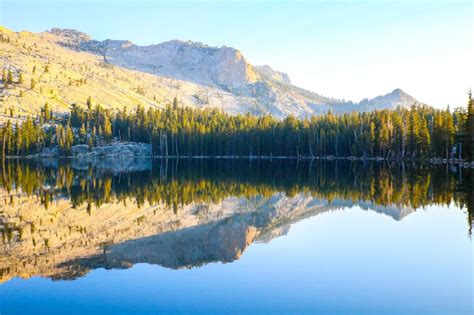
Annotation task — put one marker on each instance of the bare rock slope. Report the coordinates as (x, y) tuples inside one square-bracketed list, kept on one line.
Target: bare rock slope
[(63, 66)]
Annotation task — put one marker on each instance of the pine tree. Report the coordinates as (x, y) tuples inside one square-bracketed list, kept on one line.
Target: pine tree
[(107, 130), (448, 132), (89, 103), (69, 138), (83, 132), (32, 83), (10, 77), (469, 128), (4, 79), (100, 133), (414, 132), (372, 137), (94, 137), (384, 137), (175, 103), (5, 136), (89, 142), (425, 138), (60, 136), (18, 138), (46, 112)]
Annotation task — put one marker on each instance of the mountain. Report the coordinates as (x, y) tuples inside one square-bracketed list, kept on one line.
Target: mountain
[(67, 66), (267, 72), (389, 101)]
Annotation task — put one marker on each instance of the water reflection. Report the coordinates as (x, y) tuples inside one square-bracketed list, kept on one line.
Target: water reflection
[(63, 218)]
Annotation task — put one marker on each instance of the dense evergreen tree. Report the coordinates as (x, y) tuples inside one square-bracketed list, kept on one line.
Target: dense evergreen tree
[(4, 79), (10, 77), (418, 132), (469, 128)]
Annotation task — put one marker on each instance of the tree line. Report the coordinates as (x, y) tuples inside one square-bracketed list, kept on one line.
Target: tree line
[(417, 132)]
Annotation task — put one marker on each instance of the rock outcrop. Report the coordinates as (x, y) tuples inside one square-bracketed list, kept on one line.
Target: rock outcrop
[(394, 99), (223, 67), (68, 66), (114, 149), (270, 74), (110, 150)]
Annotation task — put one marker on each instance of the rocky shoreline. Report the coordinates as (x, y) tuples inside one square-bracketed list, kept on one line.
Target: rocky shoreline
[(120, 150), (110, 150)]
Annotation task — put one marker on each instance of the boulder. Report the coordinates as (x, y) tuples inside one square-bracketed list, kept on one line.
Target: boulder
[(114, 149), (80, 149), (49, 152), (118, 149)]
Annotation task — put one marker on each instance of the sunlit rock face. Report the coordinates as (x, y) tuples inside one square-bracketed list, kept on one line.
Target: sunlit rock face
[(119, 74), (186, 60), (122, 150), (271, 74), (392, 100), (66, 242), (119, 149)]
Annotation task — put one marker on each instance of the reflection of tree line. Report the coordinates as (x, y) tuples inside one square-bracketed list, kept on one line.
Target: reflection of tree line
[(181, 182)]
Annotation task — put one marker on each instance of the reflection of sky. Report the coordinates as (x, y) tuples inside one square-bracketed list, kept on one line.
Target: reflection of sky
[(346, 262)]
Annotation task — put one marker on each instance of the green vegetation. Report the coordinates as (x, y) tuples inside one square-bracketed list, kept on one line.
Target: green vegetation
[(418, 132), (22, 139), (469, 128)]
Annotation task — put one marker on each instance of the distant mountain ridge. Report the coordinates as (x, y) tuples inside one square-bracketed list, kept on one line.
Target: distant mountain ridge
[(223, 67), (199, 75), (268, 72), (391, 100)]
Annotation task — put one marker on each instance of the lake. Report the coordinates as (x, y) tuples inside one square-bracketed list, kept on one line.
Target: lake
[(235, 236)]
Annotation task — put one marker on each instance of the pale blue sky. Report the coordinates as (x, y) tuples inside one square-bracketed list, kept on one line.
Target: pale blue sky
[(350, 49)]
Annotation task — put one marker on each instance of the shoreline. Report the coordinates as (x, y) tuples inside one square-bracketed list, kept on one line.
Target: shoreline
[(434, 161)]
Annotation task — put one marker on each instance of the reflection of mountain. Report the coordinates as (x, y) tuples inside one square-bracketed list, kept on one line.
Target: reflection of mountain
[(60, 219), (396, 212), (63, 242)]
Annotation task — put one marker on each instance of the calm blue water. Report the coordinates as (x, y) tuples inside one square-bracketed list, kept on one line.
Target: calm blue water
[(349, 261)]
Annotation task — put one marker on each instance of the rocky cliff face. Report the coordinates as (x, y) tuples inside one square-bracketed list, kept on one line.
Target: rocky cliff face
[(270, 74), (110, 150), (68, 66), (396, 98), (226, 68), (392, 100), (223, 67)]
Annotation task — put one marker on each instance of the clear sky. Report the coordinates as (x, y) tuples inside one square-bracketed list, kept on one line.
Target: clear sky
[(343, 49)]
